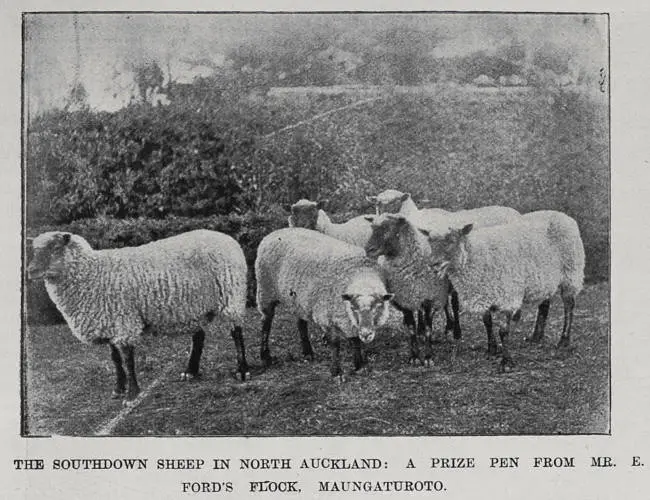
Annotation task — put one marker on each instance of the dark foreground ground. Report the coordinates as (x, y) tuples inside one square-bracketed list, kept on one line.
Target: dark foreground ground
[(68, 384)]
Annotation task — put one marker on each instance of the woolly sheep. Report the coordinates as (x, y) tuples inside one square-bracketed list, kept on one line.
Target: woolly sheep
[(410, 273), (324, 280), (113, 296), (499, 268), (308, 214), (393, 201), (439, 220)]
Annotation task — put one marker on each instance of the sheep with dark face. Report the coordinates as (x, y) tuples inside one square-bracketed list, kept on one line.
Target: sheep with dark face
[(499, 268), (438, 220), (323, 280), (308, 214), (405, 256), (112, 296)]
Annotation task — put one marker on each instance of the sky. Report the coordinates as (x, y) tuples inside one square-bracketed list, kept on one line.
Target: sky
[(111, 44)]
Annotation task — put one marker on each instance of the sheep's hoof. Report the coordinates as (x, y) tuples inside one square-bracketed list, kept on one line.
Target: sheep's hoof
[(185, 376), (245, 376), (492, 350), (428, 363), (564, 343), (506, 366), (269, 360), (118, 393), (340, 379), (534, 339), (308, 358)]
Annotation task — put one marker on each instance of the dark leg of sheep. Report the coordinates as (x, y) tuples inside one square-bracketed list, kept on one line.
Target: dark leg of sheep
[(409, 320), (492, 342), (335, 350), (307, 350), (358, 358), (455, 309), (242, 365), (132, 388), (198, 339), (569, 305), (120, 381), (540, 322), (267, 320), (504, 334), (427, 329)]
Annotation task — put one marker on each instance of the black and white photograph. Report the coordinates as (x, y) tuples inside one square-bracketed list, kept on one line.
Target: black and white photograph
[(316, 224)]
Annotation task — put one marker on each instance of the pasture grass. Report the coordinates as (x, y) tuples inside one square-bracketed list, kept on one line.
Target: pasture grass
[(551, 391)]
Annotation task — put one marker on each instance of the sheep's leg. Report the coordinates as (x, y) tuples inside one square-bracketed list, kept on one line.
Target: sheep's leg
[(334, 341), (540, 322), (358, 358), (267, 314), (504, 334), (569, 305), (455, 309), (192, 371), (120, 381), (409, 320), (427, 329), (242, 365), (307, 350), (132, 388), (492, 341)]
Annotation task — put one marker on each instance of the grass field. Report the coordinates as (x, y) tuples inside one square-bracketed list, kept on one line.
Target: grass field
[(68, 384)]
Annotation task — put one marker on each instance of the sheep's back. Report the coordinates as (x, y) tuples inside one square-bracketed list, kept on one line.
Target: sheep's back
[(180, 279), (507, 264), (298, 267)]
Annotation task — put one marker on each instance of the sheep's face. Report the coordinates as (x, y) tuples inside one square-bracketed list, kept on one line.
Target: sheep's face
[(389, 201), (304, 214), (367, 312), (385, 238), (48, 255), (448, 247)]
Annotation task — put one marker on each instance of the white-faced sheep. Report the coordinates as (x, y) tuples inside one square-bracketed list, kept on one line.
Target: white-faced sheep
[(309, 215), (499, 268), (112, 296), (324, 280), (410, 273)]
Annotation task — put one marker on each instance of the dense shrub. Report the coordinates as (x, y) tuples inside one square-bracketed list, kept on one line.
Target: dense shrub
[(248, 229)]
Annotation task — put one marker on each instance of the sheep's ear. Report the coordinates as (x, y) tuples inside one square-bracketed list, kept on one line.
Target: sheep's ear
[(388, 296), (466, 229), (369, 218), (441, 268), (347, 297), (425, 232), (405, 196), (290, 219), (371, 199)]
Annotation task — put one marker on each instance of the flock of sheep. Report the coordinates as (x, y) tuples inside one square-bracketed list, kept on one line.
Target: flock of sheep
[(341, 277)]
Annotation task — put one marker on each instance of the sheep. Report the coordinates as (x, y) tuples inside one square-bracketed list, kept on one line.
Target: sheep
[(438, 220), (323, 280), (499, 268), (406, 258), (114, 296), (308, 214)]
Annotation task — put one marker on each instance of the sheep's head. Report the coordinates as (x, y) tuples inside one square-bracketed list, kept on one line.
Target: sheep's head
[(389, 201), (51, 251), (304, 213), (448, 247), (386, 239), (367, 312)]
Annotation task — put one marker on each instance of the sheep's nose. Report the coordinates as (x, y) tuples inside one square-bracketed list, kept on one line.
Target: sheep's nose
[(366, 336)]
